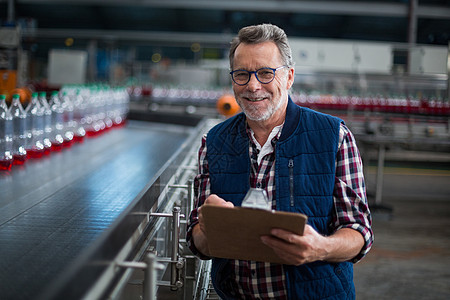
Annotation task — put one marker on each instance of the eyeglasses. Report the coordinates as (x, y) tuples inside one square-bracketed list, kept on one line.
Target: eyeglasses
[(263, 75)]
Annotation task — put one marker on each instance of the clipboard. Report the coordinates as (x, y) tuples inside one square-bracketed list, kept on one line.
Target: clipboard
[(234, 233)]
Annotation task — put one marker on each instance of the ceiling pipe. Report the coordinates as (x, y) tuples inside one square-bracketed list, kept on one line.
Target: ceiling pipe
[(11, 12), (412, 30), (358, 8)]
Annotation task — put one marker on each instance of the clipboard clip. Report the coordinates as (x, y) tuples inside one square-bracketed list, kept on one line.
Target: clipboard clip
[(257, 198)]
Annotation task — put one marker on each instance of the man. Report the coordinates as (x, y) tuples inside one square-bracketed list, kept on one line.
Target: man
[(306, 161)]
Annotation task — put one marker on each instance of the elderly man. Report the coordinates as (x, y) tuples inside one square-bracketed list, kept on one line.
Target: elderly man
[(306, 161)]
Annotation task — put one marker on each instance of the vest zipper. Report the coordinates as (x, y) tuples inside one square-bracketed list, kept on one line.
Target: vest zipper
[(291, 180)]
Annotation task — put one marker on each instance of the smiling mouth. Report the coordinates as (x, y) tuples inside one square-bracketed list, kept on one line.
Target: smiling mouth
[(255, 99)]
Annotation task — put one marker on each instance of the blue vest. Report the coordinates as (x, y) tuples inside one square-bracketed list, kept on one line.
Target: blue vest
[(304, 183)]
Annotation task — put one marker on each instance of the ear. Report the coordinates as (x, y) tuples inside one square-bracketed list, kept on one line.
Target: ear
[(290, 79)]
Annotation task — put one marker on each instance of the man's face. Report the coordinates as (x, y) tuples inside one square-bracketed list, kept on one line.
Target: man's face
[(261, 102)]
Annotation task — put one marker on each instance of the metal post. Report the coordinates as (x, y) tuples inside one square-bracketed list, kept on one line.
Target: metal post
[(448, 73), (92, 48), (380, 173), (150, 267), (175, 247), (190, 198), (150, 277), (176, 264)]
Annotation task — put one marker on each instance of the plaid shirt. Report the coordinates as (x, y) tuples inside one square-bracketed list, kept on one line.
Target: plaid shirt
[(252, 280)]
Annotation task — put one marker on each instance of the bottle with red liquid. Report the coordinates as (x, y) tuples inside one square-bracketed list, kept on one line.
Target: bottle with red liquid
[(95, 103), (89, 115), (117, 117), (100, 109), (48, 128), (6, 135), (28, 130), (19, 128), (35, 115), (121, 100), (108, 107), (69, 122), (79, 115), (56, 138)]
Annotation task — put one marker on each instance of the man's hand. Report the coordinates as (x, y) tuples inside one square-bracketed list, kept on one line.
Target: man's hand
[(216, 200), (199, 231), (296, 250)]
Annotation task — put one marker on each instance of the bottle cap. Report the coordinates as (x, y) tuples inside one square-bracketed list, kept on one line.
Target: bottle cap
[(257, 198)]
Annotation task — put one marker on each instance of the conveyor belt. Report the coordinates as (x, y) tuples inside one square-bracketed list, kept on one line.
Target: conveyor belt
[(56, 211)]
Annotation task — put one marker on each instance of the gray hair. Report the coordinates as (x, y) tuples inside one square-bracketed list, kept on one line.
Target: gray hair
[(263, 33)]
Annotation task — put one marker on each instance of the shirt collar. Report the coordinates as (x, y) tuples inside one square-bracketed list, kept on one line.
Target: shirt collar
[(268, 147)]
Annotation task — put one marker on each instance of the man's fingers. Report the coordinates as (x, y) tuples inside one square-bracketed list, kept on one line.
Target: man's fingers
[(286, 251), (285, 235), (216, 200)]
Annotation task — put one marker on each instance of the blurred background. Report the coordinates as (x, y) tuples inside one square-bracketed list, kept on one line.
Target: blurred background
[(382, 66)]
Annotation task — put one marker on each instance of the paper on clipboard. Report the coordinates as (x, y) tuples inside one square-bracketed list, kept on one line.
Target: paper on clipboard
[(235, 232)]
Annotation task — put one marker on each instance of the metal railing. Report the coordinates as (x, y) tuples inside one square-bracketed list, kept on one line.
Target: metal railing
[(163, 267)]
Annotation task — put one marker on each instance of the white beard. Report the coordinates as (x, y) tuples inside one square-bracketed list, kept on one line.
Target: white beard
[(255, 114)]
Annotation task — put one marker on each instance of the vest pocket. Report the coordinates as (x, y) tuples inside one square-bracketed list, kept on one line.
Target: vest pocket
[(317, 280), (344, 272)]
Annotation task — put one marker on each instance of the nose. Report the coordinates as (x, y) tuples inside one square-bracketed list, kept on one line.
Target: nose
[(253, 84)]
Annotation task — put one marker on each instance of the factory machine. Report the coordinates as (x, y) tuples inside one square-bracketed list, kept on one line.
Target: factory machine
[(105, 219)]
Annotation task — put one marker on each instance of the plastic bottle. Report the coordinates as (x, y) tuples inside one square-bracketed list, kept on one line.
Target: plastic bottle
[(56, 138), (122, 100), (79, 116), (35, 113), (117, 115), (96, 113), (89, 98), (125, 105), (48, 128), (29, 129), (101, 112), (69, 122), (108, 95), (19, 128), (6, 134)]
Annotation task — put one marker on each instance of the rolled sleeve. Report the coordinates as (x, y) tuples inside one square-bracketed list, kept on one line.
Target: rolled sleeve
[(352, 209), (201, 192)]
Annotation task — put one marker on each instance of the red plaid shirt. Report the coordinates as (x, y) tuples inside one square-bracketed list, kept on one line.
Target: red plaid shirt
[(259, 280)]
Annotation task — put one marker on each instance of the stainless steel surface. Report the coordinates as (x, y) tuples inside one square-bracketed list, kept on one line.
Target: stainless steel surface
[(150, 277), (204, 287), (60, 214)]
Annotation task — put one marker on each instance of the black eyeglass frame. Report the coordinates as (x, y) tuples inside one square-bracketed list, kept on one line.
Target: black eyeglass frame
[(256, 76)]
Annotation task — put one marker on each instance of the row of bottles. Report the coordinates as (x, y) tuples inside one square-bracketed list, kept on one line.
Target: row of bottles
[(52, 124), (375, 103)]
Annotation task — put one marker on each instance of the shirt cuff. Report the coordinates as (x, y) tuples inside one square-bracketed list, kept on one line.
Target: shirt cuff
[(368, 239), (191, 244)]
